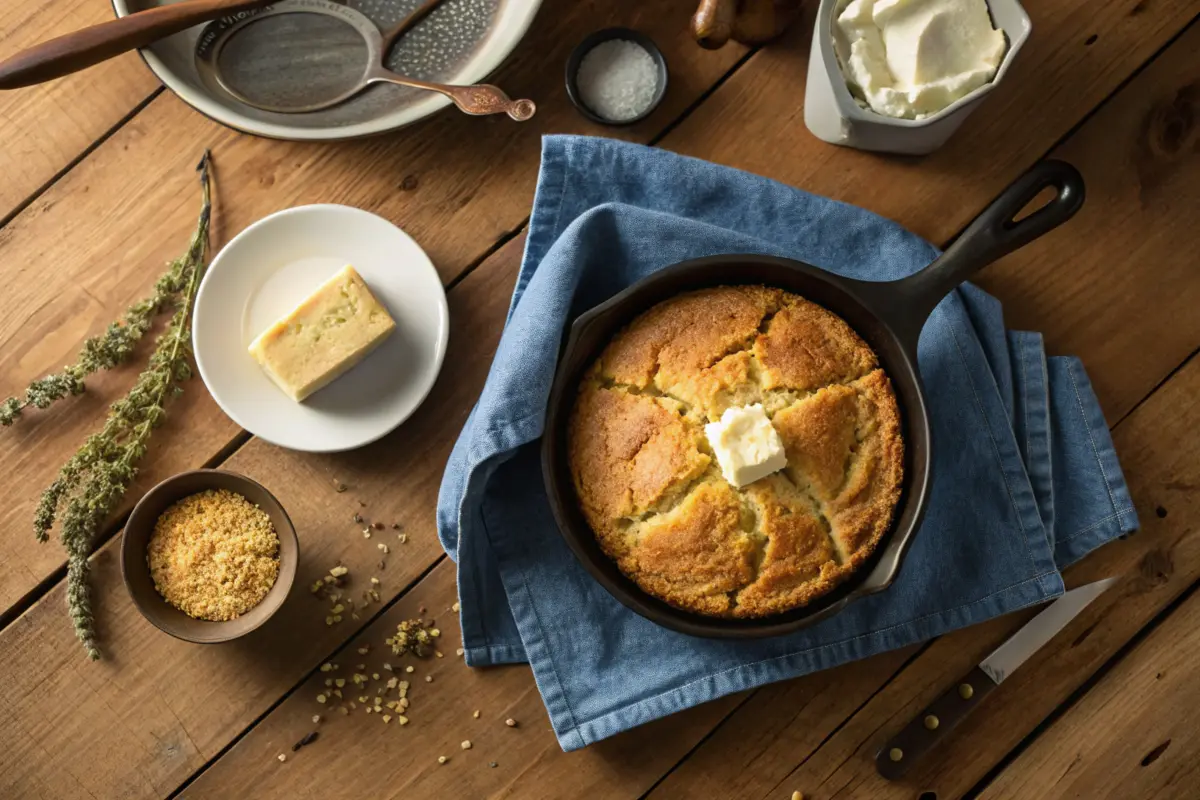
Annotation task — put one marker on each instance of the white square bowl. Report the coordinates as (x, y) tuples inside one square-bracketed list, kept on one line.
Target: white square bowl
[(833, 115)]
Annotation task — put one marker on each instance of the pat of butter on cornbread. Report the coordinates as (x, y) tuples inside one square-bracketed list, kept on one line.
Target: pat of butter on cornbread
[(327, 334)]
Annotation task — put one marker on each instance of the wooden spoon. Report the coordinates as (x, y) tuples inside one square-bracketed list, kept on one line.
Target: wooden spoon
[(75, 51)]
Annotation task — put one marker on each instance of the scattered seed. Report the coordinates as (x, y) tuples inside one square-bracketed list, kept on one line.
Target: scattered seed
[(321, 698), (282, 756), (339, 571), (510, 722), (308, 739), (441, 759), (466, 745), (408, 669)]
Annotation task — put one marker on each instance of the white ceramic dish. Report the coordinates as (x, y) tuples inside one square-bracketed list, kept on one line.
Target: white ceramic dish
[(265, 271), (463, 41), (833, 115)]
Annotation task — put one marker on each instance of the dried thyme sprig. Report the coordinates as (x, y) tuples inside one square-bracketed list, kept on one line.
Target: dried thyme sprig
[(94, 480), (101, 352)]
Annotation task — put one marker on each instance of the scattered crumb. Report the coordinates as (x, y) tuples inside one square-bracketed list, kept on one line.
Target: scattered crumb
[(466, 745), (510, 722), (442, 759), (282, 756)]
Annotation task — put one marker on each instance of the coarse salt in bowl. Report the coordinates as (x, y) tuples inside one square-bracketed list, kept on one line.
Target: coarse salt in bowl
[(616, 76)]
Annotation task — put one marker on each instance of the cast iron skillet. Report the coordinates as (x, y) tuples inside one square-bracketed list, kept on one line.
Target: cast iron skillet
[(889, 316)]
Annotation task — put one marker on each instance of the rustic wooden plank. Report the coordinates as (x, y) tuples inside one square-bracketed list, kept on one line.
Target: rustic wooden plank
[(97, 239), (45, 128), (359, 755), (1127, 265), (1132, 735)]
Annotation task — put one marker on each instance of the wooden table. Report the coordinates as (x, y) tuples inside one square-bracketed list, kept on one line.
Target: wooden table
[(97, 192)]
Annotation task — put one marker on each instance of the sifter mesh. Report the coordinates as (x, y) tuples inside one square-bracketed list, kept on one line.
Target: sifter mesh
[(296, 59)]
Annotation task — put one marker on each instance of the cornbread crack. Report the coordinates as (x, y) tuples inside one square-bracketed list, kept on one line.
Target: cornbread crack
[(653, 493)]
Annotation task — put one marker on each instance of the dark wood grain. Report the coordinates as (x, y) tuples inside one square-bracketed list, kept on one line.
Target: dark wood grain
[(89, 46)]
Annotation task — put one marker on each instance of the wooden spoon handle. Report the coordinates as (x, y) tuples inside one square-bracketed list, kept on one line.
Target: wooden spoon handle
[(75, 51)]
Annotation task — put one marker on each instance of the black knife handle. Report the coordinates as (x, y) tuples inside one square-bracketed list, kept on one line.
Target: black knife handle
[(932, 725)]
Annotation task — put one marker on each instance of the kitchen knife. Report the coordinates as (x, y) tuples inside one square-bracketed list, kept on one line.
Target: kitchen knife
[(935, 722)]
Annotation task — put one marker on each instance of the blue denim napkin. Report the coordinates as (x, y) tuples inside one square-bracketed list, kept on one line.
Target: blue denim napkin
[(1025, 477)]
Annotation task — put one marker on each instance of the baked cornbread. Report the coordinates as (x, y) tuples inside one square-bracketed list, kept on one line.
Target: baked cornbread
[(653, 493), (331, 331)]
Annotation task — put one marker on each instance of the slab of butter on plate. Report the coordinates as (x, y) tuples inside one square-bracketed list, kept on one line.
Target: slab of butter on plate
[(333, 329)]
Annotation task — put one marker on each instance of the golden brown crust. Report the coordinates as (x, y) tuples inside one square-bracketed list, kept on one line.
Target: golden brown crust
[(653, 494)]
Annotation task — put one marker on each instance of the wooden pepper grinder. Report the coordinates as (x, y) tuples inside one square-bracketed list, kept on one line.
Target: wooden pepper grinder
[(751, 22)]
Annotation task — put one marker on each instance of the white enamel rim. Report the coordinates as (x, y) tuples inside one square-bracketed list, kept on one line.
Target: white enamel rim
[(515, 19), (422, 273)]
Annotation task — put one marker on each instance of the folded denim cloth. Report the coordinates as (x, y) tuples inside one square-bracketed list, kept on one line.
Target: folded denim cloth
[(1025, 477)]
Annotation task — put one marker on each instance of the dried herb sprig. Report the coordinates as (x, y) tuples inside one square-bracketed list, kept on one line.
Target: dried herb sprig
[(101, 352), (91, 484)]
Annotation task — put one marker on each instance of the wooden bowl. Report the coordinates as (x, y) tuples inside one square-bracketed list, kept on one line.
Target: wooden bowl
[(136, 571)]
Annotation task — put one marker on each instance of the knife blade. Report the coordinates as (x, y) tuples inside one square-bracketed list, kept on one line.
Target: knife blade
[(952, 706)]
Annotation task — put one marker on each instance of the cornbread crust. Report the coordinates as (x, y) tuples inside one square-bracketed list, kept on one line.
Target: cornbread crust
[(213, 555), (651, 489)]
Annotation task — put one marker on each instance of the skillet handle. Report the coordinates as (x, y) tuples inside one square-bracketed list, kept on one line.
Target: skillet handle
[(993, 234)]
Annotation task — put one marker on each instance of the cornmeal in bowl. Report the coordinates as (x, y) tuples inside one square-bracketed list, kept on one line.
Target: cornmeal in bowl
[(651, 486)]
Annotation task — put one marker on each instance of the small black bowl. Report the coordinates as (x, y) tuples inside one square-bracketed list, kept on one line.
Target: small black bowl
[(605, 35)]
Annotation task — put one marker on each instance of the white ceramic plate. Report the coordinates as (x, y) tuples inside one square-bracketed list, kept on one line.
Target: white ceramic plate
[(462, 41), (266, 271)]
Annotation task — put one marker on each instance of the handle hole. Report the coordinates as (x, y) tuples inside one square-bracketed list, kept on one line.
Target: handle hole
[(1039, 201), (927, 796)]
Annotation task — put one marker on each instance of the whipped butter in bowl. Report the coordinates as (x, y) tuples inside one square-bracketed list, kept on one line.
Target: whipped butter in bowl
[(913, 58), (902, 75)]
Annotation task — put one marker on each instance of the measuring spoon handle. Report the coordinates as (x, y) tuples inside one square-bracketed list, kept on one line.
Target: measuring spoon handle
[(72, 52), (478, 99)]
